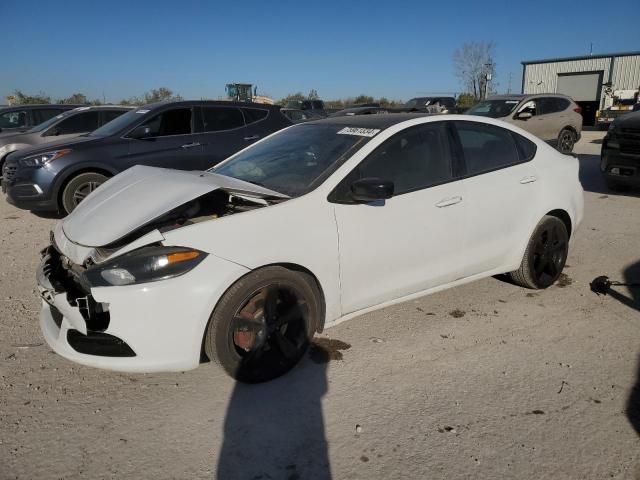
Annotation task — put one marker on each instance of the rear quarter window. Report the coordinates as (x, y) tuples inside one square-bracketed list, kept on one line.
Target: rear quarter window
[(526, 148), (253, 115), (486, 147)]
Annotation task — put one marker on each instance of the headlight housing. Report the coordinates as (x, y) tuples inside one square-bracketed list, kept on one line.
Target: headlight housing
[(147, 264), (42, 159)]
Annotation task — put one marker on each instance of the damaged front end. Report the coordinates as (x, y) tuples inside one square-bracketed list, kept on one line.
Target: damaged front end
[(112, 286)]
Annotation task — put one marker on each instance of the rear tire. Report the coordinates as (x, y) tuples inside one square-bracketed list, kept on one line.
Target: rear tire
[(566, 140), (78, 188), (545, 255), (263, 324)]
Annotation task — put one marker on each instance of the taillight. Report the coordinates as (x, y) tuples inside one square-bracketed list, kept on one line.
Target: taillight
[(578, 110)]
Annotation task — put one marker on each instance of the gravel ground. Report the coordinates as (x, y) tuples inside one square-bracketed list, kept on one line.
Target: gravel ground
[(483, 381)]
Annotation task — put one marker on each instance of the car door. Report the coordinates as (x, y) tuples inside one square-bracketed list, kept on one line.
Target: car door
[(554, 115), (73, 125), (412, 241), (534, 124), (170, 141), (223, 133), (501, 183)]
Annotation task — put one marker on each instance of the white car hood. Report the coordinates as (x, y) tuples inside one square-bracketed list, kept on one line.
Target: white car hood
[(139, 195)]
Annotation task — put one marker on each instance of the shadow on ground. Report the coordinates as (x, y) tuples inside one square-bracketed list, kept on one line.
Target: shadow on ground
[(592, 180), (275, 430), (631, 298), (47, 214)]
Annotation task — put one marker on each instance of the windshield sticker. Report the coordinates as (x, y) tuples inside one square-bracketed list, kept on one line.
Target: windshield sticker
[(361, 132), (142, 111)]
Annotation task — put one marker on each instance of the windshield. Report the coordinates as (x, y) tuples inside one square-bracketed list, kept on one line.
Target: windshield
[(493, 108), (47, 123), (118, 123), (296, 160)]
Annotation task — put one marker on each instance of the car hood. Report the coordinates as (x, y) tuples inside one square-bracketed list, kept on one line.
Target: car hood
[(14, 138), (628, 120), (141, 194), (56, 145)]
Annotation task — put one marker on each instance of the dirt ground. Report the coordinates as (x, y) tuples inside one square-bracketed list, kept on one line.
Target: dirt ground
[(483, 381)]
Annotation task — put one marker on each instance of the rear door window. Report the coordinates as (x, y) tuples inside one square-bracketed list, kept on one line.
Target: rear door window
[(43, 115), (217, 119), (108, 115), (486, 147), (176, 121), (253, 115), (79, 123)]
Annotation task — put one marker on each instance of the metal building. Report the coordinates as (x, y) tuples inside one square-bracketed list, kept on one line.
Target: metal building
[(585, 79)]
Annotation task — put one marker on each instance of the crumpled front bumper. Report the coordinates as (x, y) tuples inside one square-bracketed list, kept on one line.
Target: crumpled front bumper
[(160, 324)]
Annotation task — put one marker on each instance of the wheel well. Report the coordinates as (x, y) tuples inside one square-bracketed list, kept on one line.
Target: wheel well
[(289, 266), (72, 175), (564, 216)]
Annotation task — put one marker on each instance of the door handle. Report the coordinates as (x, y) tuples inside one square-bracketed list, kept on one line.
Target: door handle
[(191, 145), (252, 137), (529, 179), (448, 201)]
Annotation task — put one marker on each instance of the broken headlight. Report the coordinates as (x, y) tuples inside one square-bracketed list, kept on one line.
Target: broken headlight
[(147, 264)]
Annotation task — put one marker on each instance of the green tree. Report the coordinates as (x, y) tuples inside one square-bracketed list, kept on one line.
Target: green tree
[(292, 97), (466, 100), (75, 98), (21, 98), (363, 99)]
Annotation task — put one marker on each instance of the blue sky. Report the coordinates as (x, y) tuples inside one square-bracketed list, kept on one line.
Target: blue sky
[(341, 48)]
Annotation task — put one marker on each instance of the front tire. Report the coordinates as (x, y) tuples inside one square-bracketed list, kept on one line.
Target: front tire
[(566, 140), (545, 256), (78, 188), (263, 324)]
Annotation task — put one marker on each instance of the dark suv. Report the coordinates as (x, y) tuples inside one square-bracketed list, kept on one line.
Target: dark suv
[(20, 118), (620, 155), (65, 126), (186, 135)]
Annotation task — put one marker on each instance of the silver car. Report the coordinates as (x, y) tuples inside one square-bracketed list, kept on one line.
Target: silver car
[(66, 125), (554, 118)]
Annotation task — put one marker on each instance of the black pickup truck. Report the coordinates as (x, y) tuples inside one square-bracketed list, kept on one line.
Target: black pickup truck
[(620, 155)]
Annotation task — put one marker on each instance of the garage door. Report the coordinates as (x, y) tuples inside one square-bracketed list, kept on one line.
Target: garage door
[(584, 87)]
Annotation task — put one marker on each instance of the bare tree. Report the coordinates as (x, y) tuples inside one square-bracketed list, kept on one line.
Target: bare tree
[(474, 63)]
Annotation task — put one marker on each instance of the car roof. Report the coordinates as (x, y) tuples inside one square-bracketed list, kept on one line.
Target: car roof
[(219, 103), (31, 106), (381, 121), (522, 96)]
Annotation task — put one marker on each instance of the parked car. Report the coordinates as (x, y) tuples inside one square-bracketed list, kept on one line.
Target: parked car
[(296, 115), (67, 125), (620, 154), (316, 106), (188, 135), (20, 118), (431, 105), (556, 119), (360, 111), (311, 226)]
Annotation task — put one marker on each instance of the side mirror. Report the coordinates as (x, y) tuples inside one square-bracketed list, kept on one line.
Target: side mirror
[(368, 190), (524, 115), (140, 133)]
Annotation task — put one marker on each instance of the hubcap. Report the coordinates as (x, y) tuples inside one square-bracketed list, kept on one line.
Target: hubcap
[(549, 255), (566, 141), (83, 190), (269, 330)]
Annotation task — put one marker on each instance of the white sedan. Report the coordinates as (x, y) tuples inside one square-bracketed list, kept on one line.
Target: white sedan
[(162, 269)]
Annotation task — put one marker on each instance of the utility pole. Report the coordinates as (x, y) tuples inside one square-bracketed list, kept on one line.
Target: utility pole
[(487, 78), (510, 75)]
